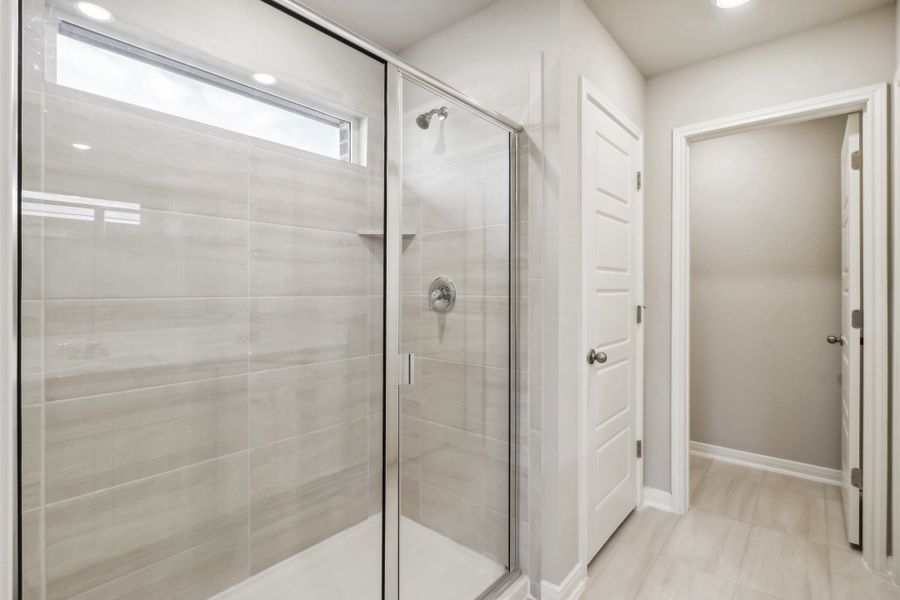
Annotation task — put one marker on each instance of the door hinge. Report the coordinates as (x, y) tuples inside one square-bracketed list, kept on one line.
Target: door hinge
[(640, 449), (856, 319), (639, 183), (640, 313), (856, 160), (856, 477), (407, 368)]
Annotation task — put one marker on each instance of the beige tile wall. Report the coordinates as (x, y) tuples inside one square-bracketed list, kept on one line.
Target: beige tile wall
[(202, 383)]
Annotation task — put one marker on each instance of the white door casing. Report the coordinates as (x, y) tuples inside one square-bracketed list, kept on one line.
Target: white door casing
[(610, 161), (851, 299)]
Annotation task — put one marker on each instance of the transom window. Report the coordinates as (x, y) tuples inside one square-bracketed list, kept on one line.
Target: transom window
[(97, 64)]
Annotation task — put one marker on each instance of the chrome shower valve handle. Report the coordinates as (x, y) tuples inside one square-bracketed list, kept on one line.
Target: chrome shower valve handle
[(442, 294)]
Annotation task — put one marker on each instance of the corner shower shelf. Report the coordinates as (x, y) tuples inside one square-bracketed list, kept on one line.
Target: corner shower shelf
[(380, 232)]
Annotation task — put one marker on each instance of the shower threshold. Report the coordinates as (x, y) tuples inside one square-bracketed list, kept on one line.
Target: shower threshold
[(348, 565)]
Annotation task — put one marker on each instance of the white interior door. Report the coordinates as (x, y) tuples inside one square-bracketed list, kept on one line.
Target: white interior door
[(851, 299), (610, 237)]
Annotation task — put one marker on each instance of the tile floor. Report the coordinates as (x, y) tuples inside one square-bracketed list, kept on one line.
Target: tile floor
[(750, 535)]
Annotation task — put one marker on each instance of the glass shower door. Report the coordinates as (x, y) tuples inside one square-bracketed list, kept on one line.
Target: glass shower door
[(202, 304), (456, 433)]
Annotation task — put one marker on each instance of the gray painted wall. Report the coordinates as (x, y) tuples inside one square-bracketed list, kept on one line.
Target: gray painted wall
[(765, 291)]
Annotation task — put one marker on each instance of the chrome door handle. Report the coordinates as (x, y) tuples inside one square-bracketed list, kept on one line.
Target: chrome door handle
[(835, 339), (598, 357)]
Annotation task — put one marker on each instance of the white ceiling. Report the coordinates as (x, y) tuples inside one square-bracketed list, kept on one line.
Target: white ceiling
[(396, 24), (659, 35)]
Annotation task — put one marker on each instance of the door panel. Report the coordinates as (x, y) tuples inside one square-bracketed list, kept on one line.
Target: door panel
[(455, 477), (610, 324), (851, 350), (612, 235), (609, 165), (615, 381)]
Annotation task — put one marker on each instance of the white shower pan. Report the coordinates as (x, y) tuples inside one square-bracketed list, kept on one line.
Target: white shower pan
[(348, 566)]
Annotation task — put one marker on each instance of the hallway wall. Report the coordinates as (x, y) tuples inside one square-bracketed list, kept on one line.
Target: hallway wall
[(765, 291), (851, 53)]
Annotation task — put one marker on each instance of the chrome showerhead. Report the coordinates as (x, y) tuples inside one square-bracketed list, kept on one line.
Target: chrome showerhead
[(424, 120)]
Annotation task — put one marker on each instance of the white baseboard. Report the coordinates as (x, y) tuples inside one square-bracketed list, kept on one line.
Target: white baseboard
[(768, 463), (520, 589), (658, 499), (571, 588)]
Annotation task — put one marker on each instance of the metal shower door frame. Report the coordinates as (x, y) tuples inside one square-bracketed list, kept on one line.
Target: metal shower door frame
[(396, 76)]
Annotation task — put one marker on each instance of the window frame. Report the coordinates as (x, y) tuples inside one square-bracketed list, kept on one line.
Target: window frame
[(346, 126)]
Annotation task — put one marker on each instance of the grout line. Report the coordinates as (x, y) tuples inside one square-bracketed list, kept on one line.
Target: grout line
[(745, 549), (141, 209), (459, 498), (484, 436), (248, 375), (97, 299), (467, 364), (146, 566), (207, 461), (654, 557), (248, 346), (148, 477), (472, 228), (42, 518)]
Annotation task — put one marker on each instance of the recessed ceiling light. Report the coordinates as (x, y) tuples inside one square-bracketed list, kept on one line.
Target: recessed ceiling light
[(264, 78), (81, 146), (729, 3), (93, 11)]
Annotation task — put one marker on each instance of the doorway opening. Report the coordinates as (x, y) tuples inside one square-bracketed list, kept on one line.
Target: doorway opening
[(747, 367)]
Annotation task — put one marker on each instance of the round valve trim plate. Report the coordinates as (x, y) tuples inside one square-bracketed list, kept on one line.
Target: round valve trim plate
[(442, 294)]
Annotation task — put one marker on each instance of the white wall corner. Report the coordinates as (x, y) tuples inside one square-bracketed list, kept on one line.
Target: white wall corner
[(571, 588), (656, 498), (518, 590)]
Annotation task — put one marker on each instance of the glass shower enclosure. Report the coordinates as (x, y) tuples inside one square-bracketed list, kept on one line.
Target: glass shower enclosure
[(267, 318)]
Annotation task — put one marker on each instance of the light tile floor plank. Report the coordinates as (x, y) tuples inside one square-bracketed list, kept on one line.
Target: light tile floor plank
[(794, 484), (794, 513), (672, 580), (709, 542), (851, 580), (785, 566), (728, 495), (700, 462), (748, 536)]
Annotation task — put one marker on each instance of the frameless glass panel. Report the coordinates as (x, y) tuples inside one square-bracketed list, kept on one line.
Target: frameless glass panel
[(201, 305), (455, 315)]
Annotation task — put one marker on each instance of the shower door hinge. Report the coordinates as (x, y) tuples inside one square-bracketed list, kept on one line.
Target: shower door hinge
[(856, 477), (856, 160), (640, 313), (407, 368), (640, 449), (639, 181)]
